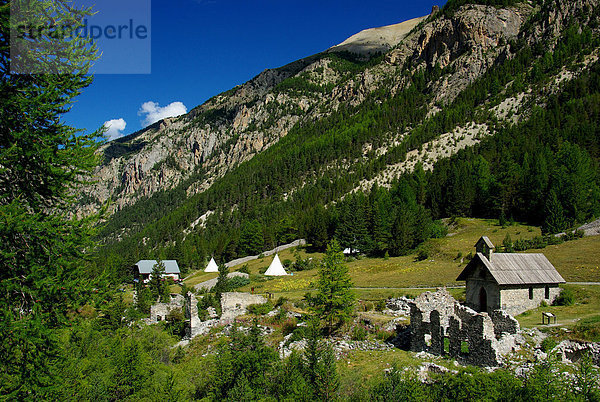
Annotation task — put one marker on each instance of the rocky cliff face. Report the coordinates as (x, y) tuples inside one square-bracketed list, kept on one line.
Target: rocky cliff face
[(196, 149)]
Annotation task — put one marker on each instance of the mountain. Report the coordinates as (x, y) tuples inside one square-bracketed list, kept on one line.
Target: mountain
[(444, 102), (374, 41)]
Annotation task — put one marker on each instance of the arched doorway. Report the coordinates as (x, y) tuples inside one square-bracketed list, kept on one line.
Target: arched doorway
[(482, 300)]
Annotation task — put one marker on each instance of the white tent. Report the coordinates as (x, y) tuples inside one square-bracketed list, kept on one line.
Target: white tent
[(212, 266), (350, 251), (276, 269)]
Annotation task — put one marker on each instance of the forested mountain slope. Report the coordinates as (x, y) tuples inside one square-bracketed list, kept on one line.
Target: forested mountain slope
[(482, 109)]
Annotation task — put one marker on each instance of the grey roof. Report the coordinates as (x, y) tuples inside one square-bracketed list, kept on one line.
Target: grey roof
[(487, 241), (145, 266), (515, 269)]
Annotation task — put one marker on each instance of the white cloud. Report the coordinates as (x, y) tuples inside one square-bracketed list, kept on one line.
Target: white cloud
[(152, 112), (114, 128)]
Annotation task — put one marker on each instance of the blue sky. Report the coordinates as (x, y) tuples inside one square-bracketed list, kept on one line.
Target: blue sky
[(200, 48)]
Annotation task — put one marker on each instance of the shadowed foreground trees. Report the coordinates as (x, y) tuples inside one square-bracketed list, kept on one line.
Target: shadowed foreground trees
[(41, 161)]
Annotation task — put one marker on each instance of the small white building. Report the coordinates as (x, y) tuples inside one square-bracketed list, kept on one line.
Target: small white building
[(143, 269)]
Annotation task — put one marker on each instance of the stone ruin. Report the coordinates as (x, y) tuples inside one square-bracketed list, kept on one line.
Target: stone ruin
[(441, 326), (160, 311), (233, 304)]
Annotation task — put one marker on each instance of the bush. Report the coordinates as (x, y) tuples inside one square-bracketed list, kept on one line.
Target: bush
[(209, 300), (260, 309), (288, 326), (548, 344), (301, 264), (368, 306), (384, 335), (237, 282), (245, 269), (422, 254), (176, 323), (359, 333), (380, 305), (566, 298), (280, 301), (299, 333), (438, 230)]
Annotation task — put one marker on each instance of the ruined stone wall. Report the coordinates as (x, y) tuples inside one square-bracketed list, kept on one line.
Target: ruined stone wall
[(159, 311), (234, 304), (515, 300), (196, 325), (441, 326), (440, 301), (504, 323)]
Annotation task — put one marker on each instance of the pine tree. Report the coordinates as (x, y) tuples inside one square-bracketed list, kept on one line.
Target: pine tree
[(381, 217), (555, 221), (222, 281), (334, 300), (320, 364), (158, 285), (316, 228), (42, 160), (251, 238)]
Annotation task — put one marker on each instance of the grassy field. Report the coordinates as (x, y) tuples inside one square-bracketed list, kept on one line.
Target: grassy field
[(587, 305), (377, 278), (577, 260), (360, 369)]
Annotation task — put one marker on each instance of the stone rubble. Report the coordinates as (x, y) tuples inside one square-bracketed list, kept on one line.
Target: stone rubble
[(398, 306), (572, 351), (340, 346)]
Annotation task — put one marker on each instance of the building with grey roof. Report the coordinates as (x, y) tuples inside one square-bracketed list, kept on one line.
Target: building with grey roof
[(513, 282), (143, 269)]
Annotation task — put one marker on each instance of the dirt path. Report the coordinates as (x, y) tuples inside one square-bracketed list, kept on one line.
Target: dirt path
[(584, 283)]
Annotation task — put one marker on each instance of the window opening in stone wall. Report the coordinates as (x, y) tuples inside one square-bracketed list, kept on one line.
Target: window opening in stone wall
[(531, 293), (464, 347), (547, 292)]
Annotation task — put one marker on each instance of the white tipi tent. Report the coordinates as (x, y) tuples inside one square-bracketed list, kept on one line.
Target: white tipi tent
[(275, 269), (212, 266)]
